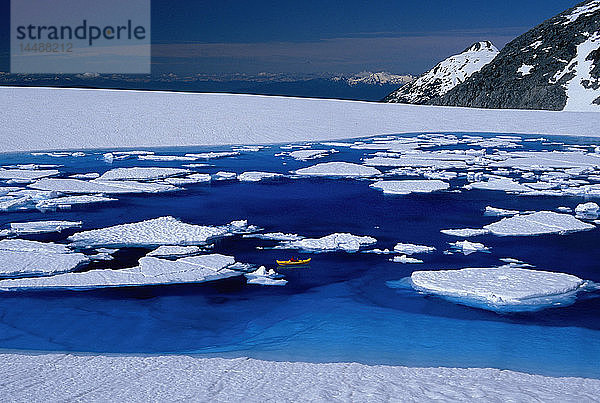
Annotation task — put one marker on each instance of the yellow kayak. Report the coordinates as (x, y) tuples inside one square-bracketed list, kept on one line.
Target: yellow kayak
[(292, 262)]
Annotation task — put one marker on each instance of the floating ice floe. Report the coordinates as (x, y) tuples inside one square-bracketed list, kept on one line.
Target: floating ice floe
[(151, 271), (339, 241), (263, 276), (214, 155), (256, 176), (503, 184), (100, 186), (541, 222), (305, 155), (141, 173), (467, 247), (410, 186), (504, 288), (188, 180), (19, 257), (428, 160), (405, 259), (158, 231), (276, 236), (91, 175), (564, 209), (67, 201), (548, 159), (411, 249), (338, 169), (174, 251), (26, 175), (39, 227), (379, 251), (465, 232), (223, 176), (161, 158), (499, 212), (587, 210)]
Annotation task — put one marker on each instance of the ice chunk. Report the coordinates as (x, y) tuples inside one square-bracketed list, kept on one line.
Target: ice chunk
[(498, 288), (187, 180), (29, 258), (465, 232), (214, 155), (223, 175), (37, 227), (157, 231), (167, 158), (173, 251), (411, 249), (587, 210), (499, 212), (405, 259), (410, 186), (141, 173), (466, 247), (91, 175), (100, 186), (338, 169), (305, 155), (263, 276), (151, 271), (276, 236), (541, 222), (27, 175), (564, 209), (338, 241), (503, 184), (255, 176), (68, 201), (544, 159)]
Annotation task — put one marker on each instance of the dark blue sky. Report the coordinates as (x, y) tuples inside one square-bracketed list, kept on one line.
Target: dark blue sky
[(324, 36)]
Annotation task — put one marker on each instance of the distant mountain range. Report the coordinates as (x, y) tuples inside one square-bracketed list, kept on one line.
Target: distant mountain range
[(366, 86), (554, 66)]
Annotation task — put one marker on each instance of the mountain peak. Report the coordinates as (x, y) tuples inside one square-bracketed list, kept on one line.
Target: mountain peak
[(485, 46), (445, 75)]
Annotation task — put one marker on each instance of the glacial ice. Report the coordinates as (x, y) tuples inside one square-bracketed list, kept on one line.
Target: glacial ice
[(411, 249), (541, 222), (338, 169), (405, 187), (141, 173), (256, 176), (338, 241), (498, 288), (151, 271), (154, 232)]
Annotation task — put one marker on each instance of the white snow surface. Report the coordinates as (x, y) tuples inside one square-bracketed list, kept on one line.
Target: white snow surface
[(503, 285), (174, 250), (70, 377), (465, 232), (158, 231), (339, 241), (78, 119), (405, 187), (20, 257), (100, 186), (585, 9), (468, 247), (341, 169), (539, 223), (26, 174), (257, 176), (151, 271)]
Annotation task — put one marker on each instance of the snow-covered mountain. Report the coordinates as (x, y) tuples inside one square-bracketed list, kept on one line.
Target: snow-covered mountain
[(445, 75), (380, 78), (554, 66)]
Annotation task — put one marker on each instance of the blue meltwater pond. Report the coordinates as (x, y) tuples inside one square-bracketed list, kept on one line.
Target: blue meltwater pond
[(340, 307)]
